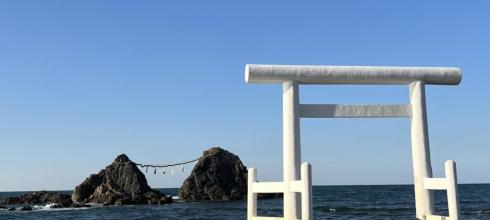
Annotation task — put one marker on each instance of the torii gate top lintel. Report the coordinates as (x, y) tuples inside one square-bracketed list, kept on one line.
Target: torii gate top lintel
[(305, 74), (297, 177)]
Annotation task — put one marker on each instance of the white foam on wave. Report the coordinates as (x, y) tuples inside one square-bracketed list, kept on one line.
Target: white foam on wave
[(49, 207)]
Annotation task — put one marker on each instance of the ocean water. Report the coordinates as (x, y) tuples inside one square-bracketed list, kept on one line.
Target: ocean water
[(330, 202)]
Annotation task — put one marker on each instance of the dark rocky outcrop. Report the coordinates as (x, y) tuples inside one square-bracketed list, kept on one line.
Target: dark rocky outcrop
[(58, 200), (44, 197), (218, 176), (11, 201), (25, 208), (120, 183)]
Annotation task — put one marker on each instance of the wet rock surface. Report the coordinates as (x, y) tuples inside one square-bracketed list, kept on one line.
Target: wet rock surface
[(120, 183)]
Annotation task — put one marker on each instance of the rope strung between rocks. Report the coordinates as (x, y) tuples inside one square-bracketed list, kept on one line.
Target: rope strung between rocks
[(164, 166), (167, 165)]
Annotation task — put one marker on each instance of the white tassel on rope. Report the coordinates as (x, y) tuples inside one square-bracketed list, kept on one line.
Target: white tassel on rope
[(182, 169), (164, 170)]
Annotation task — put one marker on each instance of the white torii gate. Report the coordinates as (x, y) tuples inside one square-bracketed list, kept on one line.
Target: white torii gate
[(297, 180)]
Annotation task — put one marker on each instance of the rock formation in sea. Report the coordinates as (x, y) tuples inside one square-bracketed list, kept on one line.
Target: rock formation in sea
[(218, 176), (57, 200), (25, 208), (120, 183)]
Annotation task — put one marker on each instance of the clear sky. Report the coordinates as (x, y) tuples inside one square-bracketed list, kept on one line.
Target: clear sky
[(83, 81)]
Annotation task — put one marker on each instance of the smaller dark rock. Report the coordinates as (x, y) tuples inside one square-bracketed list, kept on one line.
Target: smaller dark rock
[(153, 201), (11, 201), (119, 202), (25, 208), (153, 197), (81, 205), (11, 209), (124, 201), (166, 199), (138, 199), (45, 197), (42, 197)]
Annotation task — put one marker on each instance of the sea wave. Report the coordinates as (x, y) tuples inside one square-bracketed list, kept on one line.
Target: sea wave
[(345, 209)]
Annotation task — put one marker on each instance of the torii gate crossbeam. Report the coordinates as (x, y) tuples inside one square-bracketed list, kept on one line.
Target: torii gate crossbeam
[(296, 182)]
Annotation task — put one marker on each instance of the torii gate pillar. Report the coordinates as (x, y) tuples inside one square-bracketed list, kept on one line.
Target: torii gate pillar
[(424, 199), (291, 146)]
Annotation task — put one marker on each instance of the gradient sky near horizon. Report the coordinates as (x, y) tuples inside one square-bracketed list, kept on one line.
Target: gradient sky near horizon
[(161, 81)]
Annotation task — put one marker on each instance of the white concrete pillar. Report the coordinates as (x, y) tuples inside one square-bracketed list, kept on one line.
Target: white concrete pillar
[(424, 199), (452, 190), (251, 197), (291, 147), (306, 193)]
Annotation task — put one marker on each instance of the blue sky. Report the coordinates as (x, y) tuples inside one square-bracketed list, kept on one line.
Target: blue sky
[(82, 81)]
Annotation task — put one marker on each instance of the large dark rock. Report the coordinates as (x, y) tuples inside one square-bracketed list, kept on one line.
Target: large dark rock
[(219, 176), (58, 200), (119, 183)]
